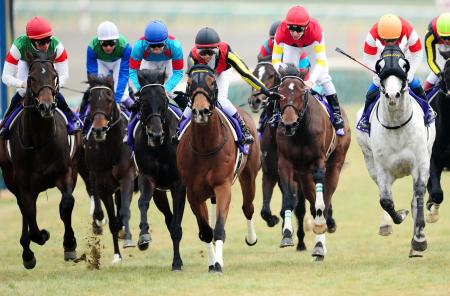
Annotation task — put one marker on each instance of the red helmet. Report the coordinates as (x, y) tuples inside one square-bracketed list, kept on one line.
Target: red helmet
[(297, 15), (38, 28)]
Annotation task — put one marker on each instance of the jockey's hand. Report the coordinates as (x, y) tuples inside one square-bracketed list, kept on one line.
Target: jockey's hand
[(181, 98), (136, 105), (24, 84), (309, 84), (273, 95)]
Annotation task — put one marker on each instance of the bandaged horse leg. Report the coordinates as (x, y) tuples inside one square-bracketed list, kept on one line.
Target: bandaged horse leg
[(320, 250), (418, 242), (320, 223), (385, 224), (289, 193)]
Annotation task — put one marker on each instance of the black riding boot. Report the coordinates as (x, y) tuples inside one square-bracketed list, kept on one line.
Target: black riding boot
[(370, 97), (262, 121), (15, 100), (420, 92), (247, 137), (338, 121)]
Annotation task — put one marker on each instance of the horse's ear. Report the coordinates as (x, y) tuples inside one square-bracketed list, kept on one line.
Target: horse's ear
[(379, 65), (52, 58), (29, 57), (282, 71), (404, 64), (188, 85), (91, 77), (162, 76), (110, 81), (141, 77), (210, 81)]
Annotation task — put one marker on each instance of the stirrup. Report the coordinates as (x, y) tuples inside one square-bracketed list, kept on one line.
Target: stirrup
[(247, 138)]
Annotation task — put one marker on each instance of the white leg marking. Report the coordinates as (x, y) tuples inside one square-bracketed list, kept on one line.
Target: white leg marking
[(321, 238), (212, 215), (320, 205), (219, 252), (91, 212), (287, 221), (211, 254), (251, 234)]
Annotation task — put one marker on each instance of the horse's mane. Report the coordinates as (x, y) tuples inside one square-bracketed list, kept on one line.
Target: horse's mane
[(265, 59), (100, 80), (147, 76), (290, 70)]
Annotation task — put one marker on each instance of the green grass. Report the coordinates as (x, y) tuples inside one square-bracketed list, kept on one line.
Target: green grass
[(359, 261)]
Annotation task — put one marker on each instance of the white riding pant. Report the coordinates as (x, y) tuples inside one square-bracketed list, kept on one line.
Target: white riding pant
[(440, 61), (106, 68), (223, 83)]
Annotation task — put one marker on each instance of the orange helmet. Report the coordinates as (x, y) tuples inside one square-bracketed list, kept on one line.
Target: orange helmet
[(389, 27), (38, 28), (297, 15)]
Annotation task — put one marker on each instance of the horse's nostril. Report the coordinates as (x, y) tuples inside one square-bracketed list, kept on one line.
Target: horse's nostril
[(386, 95), (397, 95)]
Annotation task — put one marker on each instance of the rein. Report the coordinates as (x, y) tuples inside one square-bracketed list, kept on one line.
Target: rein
[(110, 117), (162, 117), (216, 149), (397, 126)]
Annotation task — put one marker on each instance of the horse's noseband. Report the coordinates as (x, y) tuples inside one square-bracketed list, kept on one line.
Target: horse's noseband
[(35, 95), (161, 116)]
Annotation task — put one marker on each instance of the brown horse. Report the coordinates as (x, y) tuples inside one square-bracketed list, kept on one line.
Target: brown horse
[(310, 156), (206, 158), (39, 156)]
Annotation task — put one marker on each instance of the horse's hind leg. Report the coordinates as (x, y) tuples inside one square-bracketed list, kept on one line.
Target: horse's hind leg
[(176, 232), (268, 183), (418, 242), (247, 180), (385, 224), (146, 189), (436, 195), (384, 182)]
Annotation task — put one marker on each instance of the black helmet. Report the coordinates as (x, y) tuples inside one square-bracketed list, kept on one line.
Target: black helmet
[(273, 28), (207, 37)]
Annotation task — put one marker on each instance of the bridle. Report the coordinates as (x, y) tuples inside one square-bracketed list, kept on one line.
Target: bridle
[(35, 95), (161, 116), (109, 117), (212, 98), (300, 112)]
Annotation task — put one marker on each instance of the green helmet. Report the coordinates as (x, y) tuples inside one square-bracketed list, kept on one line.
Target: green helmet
[(443, 25)]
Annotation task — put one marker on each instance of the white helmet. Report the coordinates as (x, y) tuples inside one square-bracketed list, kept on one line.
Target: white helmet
[(107, 31)]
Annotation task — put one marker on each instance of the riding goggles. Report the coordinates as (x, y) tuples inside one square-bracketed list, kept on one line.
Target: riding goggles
[(42, 42), (445, 38), (105, 43), (208, 51), (296, 28), (157, 45)]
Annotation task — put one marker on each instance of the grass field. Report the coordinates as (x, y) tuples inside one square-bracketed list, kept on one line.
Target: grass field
[(359, 261)]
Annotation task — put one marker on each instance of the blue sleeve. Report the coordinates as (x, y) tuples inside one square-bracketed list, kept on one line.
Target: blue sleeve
[(123, 73), (304, 63), (91, 62), (177, 66), (135, 63)]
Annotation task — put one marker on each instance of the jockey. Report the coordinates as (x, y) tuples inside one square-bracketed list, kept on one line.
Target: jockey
[(266, 49), (437, 47), (157, 49), (391, 30), (39, 37), (108, 54), (299, 33), (209, 50)]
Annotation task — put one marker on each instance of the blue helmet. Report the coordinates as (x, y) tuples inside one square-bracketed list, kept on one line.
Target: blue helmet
[(156, 32)]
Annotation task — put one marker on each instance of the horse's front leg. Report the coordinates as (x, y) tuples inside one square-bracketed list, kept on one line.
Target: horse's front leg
[(223, 199), (418, 242), (178, 192), (28, 258), (320, 223), (65, 186), (384, 181), (300, 212), (436, 194), (98, 217), (126, 194), (247, 181), (29, 210), (146, 188), (114, 223), (289, 191)]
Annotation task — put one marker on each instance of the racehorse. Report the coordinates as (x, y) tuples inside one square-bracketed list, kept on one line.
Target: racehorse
[(155, 156), (39, 156), (206, 159), (310, 158), (440, 156), (399, 145), (109, 159)]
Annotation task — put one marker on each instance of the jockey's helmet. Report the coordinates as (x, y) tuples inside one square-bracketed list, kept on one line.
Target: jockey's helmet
[(107, 31), (207, 38), (38, 28), (273, 28), (389, 27), (156, 32), (443, 25), (297, 15)]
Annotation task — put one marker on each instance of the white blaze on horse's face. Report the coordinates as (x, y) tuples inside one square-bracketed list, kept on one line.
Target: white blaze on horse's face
[(291, 86), (393, 90), (261, 72)]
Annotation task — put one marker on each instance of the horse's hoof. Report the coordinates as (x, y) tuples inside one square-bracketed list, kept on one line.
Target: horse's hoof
[(385, 230), (415, 254), (272, 221), (96, 229), (319, 258), (218, 267), (144, 241), (70, 255), (301, 247), (176, 266), (287, 240), (331, 226), (318, 251), (43, 237), (29, 264), (250, 244), (211, 268), (320, 229), (401, 216), (419, 246), (431, 218), (102, 222), (117, 259), (128, 243), (121, 234)]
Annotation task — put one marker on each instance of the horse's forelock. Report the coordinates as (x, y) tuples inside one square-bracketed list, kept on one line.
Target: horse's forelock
[(148, 76), (290, 70)]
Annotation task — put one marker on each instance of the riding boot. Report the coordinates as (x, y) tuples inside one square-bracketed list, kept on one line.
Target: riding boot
[(15, 100), (364, 123), (338, 121), (181, 124), (420, 92), (247, 137), (74, 123), (273, 121)]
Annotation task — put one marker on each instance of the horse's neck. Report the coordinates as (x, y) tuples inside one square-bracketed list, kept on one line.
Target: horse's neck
[(35, 129), (207, 136), (394, 115)]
